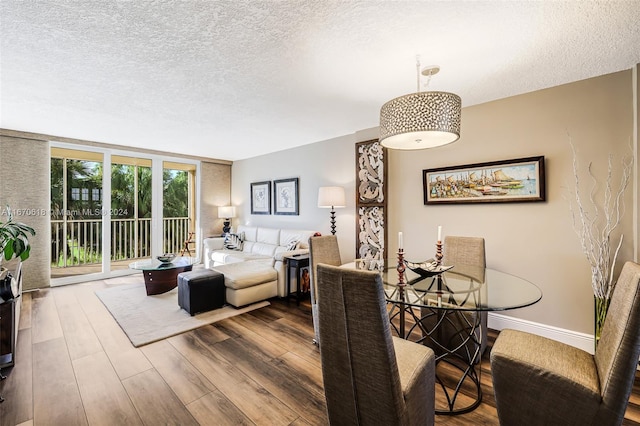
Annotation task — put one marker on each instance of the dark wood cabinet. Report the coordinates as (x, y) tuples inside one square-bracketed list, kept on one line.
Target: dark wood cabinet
[(9, 316)]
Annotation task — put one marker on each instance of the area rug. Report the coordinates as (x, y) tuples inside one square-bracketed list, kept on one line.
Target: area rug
[(146, 319)]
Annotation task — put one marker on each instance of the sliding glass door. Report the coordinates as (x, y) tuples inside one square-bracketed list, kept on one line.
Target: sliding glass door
[(76, 205), (107, 202), (178, 209), (131, 210)]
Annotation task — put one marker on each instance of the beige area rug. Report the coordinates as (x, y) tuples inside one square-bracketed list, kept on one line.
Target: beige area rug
[(146, 319)]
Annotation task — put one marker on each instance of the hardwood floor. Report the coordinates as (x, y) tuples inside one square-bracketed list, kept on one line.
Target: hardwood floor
[(75, 366)]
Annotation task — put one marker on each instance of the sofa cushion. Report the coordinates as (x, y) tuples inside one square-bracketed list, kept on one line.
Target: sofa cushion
[(247, 246), (264, 249), (269, 236), (234, 256), (247, 274), (250, 232)]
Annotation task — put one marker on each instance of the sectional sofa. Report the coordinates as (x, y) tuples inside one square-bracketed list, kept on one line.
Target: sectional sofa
[(252, 261)]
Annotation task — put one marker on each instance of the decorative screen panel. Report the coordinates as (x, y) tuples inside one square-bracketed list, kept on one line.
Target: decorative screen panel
[(371, 201)]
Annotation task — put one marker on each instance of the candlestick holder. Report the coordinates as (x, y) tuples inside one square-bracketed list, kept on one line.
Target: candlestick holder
[(439, 253), (401, 268), (401, 284)]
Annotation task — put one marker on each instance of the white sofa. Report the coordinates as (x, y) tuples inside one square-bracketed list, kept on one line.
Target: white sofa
[(257, 272)]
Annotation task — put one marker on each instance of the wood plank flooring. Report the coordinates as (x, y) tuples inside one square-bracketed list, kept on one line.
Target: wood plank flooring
[(75, 366)]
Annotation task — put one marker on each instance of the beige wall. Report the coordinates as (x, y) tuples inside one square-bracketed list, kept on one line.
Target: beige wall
[(24, 186), (532, 240), (215, 192), (636, 176)]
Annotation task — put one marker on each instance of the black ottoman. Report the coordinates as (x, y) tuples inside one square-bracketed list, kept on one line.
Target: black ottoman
[(200, 291)]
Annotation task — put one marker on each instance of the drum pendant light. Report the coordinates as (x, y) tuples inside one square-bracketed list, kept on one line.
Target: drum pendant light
[(421, 120)]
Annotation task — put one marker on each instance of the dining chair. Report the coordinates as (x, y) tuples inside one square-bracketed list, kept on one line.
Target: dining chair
[(370, 377), (461, 251), (539, 381), (322, 249)]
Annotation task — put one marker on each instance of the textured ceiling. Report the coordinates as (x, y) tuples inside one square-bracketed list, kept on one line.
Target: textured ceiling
[(235, 79)]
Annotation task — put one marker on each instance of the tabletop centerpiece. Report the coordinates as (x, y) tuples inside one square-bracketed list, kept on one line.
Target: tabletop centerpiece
[(431, 267)]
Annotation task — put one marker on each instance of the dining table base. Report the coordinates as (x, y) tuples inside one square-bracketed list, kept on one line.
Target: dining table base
[(453, 356)]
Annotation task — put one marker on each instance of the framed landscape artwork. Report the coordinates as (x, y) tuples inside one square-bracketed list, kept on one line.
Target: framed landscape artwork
[(285, 192), (261, 197), (520, 179)]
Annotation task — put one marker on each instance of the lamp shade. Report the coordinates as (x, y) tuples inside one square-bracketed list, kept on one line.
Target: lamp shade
[(331, 197), (420, 120), (226, 212)]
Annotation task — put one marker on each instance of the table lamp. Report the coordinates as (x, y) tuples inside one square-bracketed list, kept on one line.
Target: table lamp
[(226, 213), (331, 197)]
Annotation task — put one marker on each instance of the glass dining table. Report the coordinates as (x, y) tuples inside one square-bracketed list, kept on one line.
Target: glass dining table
[(429, 309)]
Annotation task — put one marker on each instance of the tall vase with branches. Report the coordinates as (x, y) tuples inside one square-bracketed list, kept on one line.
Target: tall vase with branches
[(594, 221)]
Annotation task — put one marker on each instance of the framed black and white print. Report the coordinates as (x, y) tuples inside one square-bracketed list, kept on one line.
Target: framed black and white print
[(285, 192), (261, 197)]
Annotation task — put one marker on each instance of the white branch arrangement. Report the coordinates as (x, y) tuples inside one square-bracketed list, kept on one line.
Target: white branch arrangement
[(594, 225)]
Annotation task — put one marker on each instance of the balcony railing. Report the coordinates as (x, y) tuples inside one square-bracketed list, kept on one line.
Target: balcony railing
[(79, 242)]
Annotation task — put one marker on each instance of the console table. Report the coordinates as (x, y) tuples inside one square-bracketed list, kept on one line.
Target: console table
[(10, 315)]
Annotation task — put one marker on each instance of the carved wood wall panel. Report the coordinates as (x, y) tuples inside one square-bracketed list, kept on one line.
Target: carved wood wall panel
[(371, 201)]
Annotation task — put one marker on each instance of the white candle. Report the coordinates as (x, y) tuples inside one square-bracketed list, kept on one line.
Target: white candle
[(439, 233), (399, 240)]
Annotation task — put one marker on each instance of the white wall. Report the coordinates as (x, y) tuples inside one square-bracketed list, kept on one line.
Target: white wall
[(326, 163)]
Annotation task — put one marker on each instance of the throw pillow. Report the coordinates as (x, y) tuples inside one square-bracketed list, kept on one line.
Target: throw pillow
[(234, 241), (292, 245)]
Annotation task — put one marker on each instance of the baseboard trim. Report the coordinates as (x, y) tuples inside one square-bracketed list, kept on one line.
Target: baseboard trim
[(579, 340)]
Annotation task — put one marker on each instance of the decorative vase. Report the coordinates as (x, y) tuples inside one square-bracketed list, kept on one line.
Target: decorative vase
[(601, 306)]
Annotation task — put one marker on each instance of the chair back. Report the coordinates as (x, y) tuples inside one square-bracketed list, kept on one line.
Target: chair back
[(322, 249), (359, 367), (467, 256), (464, 250), (617, 353)]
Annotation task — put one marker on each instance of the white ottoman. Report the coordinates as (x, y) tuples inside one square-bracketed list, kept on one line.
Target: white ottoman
[(249, 282)]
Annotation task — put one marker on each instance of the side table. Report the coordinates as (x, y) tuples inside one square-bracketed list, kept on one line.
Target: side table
[(299, 263)]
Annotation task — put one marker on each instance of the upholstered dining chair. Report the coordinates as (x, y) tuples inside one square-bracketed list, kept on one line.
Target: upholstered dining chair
[(322, 249), (370, 377), (461, 251), (539, 381)]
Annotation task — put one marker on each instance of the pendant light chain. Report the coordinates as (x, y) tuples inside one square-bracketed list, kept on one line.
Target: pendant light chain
[(418, 72), (418, 75)]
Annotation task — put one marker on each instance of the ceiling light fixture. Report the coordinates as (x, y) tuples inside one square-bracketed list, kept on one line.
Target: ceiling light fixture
[(421, 120)]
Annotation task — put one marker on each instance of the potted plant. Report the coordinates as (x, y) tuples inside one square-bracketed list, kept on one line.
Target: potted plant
[(14, 239), (14, 242)]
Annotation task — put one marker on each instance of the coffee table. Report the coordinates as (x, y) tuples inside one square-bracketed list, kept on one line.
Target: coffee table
[(160, 277)]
